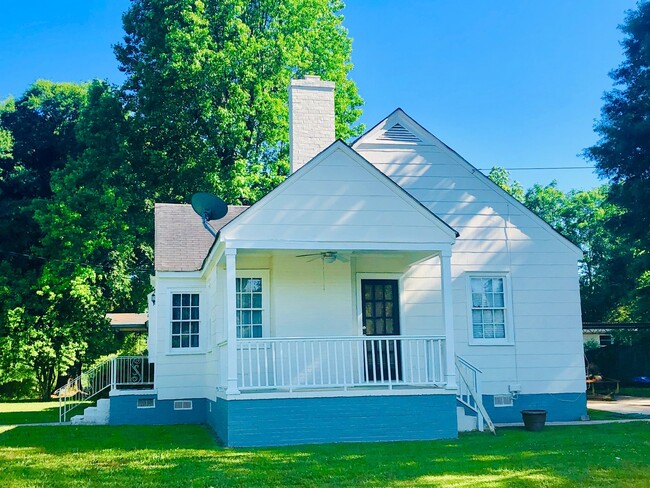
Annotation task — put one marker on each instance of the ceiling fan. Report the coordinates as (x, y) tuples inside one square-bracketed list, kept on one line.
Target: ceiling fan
[(327, 256)]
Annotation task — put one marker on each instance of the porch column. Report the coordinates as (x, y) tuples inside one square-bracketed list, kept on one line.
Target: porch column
[(231, 320), (448, 315)]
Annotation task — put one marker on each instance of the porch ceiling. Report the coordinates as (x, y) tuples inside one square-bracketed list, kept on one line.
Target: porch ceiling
[(409, 258)]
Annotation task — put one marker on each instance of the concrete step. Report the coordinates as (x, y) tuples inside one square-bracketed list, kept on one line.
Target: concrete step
[(97, 415), (466, 423)]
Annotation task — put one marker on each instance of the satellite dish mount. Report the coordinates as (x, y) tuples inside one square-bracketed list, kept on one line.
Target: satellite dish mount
[(209, 207)]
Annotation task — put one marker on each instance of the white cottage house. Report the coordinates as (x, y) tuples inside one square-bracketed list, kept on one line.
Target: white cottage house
[(387, 290)]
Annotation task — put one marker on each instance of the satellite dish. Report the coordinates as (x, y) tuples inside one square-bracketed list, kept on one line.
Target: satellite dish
[(209, 207)]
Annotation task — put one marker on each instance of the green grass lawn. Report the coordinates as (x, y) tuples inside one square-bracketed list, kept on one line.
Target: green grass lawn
[(635, 391), (595, 455), (604, 415), (29, 412)]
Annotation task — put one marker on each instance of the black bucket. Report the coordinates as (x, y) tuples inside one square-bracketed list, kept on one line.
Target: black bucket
[(534, 420)]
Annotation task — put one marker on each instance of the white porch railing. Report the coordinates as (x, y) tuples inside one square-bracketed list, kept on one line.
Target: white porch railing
[(116, 372), (469, 392), (340, 362)]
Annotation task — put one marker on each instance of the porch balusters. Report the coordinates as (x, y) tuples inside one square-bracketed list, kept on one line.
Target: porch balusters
[(339, 362)]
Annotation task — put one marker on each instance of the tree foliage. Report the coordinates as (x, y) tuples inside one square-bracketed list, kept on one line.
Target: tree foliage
[(502, 178), (623, 155), (204, 107), (41, 138), (207, 84), (580, 216)]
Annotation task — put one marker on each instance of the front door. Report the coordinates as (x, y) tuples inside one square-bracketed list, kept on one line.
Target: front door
[(380, 303)]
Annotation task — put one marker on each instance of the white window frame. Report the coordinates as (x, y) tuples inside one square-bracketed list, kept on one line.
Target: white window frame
[(266, 296), (508, 340), (203, 333)]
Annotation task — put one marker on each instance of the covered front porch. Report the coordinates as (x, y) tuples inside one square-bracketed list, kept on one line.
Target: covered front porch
[(346, 320)]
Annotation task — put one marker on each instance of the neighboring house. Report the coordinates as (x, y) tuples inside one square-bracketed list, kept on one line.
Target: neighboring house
[(365, 298), (602, 333), (128, 322)]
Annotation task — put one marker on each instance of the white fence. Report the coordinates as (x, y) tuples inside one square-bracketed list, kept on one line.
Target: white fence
[(340, 362)]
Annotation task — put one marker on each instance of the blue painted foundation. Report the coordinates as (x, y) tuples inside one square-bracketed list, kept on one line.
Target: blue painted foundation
[(124, 411), (560, 407), (280, 422), (290, 421)]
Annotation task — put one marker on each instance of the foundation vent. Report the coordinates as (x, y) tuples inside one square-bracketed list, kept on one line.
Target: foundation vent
[(182, 404), (146, 403), (503, 401)]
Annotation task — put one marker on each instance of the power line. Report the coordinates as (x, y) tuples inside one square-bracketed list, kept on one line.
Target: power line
[(539, 168)]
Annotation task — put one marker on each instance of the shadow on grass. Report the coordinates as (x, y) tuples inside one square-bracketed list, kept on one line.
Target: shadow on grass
[(189, 455), (24, 412), (44, 415)]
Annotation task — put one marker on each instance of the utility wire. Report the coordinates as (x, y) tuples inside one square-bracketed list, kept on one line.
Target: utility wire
[(539, 168)]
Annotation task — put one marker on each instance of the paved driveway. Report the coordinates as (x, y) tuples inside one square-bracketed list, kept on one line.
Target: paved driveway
[(622, 404)]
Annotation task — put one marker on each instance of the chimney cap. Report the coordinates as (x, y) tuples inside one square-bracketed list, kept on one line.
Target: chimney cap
[(313, 81)]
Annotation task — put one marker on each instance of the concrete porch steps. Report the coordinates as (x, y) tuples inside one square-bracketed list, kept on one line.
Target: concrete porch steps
[(97, 415)]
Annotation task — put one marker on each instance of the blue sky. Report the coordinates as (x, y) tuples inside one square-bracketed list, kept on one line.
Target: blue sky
[(514, 83)]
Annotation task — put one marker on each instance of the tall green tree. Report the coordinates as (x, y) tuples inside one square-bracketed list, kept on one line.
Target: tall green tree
[(37, 135), (97, 226), (207, 84), (581, 217), (91, 255), (623, 155)]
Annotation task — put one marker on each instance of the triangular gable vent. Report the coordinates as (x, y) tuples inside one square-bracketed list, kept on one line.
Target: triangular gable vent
[(398, 133)]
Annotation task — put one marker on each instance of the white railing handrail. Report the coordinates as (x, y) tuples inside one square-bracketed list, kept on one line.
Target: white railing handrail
[(110, 373), (469, 392), (291, 363), (62, 389), (464, 362), (338, 338)]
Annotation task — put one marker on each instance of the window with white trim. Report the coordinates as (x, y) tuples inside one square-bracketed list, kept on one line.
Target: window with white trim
[(185, 320), (250, 309), (488, 304)]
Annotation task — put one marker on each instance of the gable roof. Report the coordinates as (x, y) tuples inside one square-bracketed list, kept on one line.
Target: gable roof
[(181, 241), (285, 222), (377, 136)]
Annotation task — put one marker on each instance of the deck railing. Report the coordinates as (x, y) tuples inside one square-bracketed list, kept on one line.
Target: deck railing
[(113, 373), (340, 362)]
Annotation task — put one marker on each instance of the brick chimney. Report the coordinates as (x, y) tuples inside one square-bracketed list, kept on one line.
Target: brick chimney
[(311, 119)]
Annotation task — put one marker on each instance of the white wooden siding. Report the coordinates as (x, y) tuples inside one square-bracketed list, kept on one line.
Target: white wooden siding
[(497, 235), (181, 373), (372, 210)]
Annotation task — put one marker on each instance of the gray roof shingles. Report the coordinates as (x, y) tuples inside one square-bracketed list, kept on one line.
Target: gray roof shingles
[(182, 243)]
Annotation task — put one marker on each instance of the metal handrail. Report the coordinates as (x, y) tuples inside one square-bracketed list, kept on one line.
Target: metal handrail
[(109, 374), (469, 392)]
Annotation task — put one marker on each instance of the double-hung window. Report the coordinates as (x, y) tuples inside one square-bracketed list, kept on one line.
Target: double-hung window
[(489, 313), (185, 320), (250, 305)]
